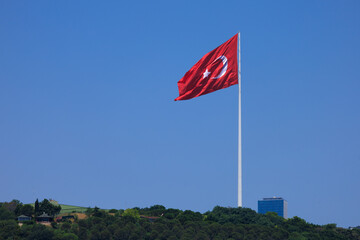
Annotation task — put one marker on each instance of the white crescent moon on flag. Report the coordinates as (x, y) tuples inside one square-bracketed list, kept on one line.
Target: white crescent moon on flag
[(225, 65)]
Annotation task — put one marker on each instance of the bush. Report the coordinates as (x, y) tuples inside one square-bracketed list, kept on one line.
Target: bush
[(113, 211)]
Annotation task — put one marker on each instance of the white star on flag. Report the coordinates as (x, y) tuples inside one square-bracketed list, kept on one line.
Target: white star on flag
[(206, 73)]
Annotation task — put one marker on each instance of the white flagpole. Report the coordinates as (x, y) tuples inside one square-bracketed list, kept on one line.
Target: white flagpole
[(239, 136)]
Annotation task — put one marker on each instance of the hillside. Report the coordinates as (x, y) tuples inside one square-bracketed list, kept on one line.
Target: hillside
[(158, 222), (70, 208)]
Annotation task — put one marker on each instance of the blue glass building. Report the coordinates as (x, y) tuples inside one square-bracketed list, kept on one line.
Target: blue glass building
[(274, 204)]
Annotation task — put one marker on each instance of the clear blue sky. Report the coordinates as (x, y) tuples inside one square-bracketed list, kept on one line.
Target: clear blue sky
[(88, 117)]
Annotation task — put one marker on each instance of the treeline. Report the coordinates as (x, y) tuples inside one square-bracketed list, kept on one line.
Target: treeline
[(16, 208), (159, 223)]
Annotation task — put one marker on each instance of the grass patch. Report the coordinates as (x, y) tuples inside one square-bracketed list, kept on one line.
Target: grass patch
[(70, 209)]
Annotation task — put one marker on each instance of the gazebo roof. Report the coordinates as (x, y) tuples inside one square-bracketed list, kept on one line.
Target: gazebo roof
[(23, 216), (44, 215)]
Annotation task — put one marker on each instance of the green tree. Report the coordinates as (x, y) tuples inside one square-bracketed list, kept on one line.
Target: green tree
[(66, 227), (26, 210), (156, 210), (297, 224), (69, 236), (49, 208), (12, 206), (40, 232), (88, 211), (18, 209), (98, 213), (121, 233), (95, 234), (296, 236), (189, 216), (131, 212), (113, 211), (9, 229), (105, 234), (171, 213), (83, 233), (5, 214), (37, 208)]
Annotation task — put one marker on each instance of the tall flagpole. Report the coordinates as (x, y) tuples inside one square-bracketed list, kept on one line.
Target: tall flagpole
[(239, 136)]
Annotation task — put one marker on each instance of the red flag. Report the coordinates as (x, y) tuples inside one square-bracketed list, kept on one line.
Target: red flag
[(216, 70)]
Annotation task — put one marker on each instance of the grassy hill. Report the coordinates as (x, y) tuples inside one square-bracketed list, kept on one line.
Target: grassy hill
[(70, 208)]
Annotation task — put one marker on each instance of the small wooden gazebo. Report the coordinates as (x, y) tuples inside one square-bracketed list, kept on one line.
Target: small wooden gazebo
[(44, 218)]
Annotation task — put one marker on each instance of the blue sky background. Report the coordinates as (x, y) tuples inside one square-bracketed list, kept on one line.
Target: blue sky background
[(88, 117)]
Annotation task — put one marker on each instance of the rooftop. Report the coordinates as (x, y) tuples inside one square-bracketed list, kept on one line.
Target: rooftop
[(273, 198), (44, 215)]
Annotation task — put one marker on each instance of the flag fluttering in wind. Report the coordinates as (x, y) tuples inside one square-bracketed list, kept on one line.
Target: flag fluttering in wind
[(216, 70)]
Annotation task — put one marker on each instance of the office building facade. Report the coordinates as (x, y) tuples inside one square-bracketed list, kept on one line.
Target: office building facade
[(274, 204)]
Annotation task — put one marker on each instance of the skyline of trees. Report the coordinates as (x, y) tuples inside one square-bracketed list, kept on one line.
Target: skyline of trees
[(219, 223)]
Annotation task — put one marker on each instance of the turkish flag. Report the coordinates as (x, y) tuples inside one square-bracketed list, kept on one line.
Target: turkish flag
[(216, 70)]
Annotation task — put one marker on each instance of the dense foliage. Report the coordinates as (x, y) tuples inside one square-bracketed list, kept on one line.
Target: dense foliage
[(157, 222), (46, 207)]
